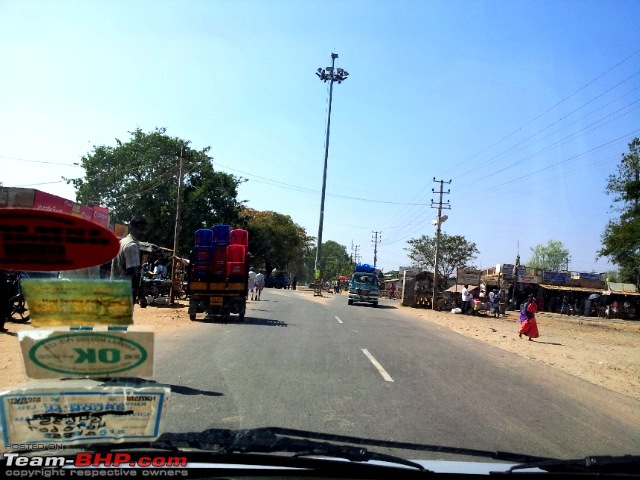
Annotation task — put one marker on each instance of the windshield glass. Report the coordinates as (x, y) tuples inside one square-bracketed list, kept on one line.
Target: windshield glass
[(365, 278), (258, 163)]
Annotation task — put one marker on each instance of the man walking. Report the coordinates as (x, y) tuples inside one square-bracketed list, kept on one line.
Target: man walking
[(259, 284)]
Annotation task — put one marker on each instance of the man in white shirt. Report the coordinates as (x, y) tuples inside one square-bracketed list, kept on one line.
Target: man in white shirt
[(259, 284), (252, 282), (126, 265), (466, 300)]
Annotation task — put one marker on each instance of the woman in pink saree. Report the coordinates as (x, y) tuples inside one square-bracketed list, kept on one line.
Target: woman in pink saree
[(529, 326)]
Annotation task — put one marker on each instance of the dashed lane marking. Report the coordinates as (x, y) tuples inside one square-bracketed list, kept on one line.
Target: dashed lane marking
[(376, 364)]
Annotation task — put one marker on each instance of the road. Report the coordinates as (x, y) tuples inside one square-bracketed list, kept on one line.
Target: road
[(318, 364)]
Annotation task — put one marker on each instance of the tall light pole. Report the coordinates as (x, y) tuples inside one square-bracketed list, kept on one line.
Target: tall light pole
[(331, 75)]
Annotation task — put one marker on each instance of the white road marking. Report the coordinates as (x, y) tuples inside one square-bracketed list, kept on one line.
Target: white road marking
[(339, 320), (376, 364)]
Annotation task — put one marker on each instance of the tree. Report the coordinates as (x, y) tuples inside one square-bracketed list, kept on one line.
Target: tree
[(275, 240), (140, 177), (621, 238), (334, 260), (553, 256), (454, 252)]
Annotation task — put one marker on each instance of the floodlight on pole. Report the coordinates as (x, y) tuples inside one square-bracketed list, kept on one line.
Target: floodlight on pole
[(331, 75)]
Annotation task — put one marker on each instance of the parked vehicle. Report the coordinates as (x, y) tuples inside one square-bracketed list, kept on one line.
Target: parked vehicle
[(18, 308), (280, 280)]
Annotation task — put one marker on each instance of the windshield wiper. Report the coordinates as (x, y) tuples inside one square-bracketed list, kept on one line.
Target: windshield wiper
[(268, 440), (304, 443), (602, 464)]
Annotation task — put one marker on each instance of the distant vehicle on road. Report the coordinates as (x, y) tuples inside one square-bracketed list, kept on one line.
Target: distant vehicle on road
[(364, 286), (279, 280)]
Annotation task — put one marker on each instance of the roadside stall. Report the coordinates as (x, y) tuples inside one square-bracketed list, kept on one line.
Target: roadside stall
[(626, 296)]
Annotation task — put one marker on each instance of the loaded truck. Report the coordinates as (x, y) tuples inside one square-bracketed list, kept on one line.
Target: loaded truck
[(218, 272), (364, 286)]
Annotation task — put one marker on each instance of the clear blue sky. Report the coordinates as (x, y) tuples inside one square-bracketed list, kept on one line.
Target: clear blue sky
[(525, 105)]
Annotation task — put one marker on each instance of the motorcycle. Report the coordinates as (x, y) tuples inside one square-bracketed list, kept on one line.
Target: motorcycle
[(18, 310), (154, 283)]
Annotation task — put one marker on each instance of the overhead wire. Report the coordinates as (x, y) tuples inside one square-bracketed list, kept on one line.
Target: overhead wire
[(548, 110), (410, 212)]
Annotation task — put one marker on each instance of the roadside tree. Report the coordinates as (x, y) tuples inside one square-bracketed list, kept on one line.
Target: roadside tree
[(621, 237), (553, 256), (275, 240), (455, 251), (140, 177)]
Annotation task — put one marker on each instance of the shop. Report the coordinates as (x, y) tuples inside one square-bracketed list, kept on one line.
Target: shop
[(621, 300)]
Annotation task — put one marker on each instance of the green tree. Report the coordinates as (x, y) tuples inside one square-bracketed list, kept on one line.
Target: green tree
[(455, 251), (553, 256), (140, 177), (275, 240), (621, 237)]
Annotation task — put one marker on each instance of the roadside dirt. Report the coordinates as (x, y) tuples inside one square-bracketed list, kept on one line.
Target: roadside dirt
[(603, 352)]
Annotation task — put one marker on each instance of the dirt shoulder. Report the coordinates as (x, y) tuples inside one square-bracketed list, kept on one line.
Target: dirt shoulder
[(603, 352)]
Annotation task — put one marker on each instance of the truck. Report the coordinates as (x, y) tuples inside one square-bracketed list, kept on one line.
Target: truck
[(364, 286), (218, 273)]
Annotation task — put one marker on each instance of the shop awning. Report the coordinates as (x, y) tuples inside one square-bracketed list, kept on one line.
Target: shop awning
[(566, 288), (621, 289)]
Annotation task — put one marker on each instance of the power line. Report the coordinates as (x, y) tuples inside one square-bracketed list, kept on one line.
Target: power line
[(409, 212), (309, 190), (550, 109)]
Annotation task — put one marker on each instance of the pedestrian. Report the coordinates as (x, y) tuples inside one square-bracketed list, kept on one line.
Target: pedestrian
[(392, 291), (252, 282), (530, 326), (294, 283), (565, 307), (496, 304), (259, 284), (614, 309), (466, 300), (127, 263)]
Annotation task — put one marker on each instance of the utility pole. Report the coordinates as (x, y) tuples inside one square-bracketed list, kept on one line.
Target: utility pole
[(375, 246), (439, 205), (356, 257), (331, 75), (176, 232)]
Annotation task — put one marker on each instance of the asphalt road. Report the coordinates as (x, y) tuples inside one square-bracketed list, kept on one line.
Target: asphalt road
[(320, 365)]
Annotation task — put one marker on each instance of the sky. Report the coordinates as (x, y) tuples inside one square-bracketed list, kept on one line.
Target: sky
[(524, 106)]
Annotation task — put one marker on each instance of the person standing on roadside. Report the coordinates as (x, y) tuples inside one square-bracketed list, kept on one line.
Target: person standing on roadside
[(259, 284), (126, 265), (466, 299), (530, 326)]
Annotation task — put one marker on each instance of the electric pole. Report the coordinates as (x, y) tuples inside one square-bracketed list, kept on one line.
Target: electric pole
[(439, 205), (176, 232), (375, 246)]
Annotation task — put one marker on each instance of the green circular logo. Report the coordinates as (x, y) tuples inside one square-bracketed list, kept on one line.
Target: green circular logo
[(87, 353)]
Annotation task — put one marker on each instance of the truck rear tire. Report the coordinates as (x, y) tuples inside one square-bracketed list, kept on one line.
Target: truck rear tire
[(349, 302), (374, 304)]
